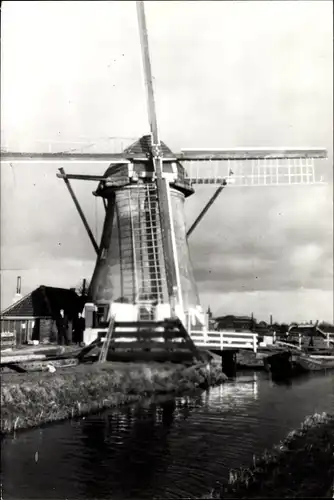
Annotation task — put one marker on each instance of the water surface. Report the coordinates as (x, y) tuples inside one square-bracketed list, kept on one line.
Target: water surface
[(167, 448)]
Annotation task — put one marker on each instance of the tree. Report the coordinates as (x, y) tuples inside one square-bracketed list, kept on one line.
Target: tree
[(82, 287)]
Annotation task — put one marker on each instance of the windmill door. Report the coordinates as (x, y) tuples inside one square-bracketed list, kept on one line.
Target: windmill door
[(146, 310)]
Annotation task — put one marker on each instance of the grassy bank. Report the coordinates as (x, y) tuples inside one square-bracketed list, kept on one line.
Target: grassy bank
[(32, 399), (302, 466)]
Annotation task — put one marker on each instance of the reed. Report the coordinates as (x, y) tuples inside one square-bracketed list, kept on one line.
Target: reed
[(300, 466), (32, 399)]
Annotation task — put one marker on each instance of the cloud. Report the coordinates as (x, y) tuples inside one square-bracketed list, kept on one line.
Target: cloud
[(268, 245)]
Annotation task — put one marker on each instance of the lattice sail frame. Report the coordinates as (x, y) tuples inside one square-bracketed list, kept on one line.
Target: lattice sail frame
[(243, 167), (253, 173)]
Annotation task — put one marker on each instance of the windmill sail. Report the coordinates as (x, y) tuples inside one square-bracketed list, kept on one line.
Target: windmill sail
[(162, 185)]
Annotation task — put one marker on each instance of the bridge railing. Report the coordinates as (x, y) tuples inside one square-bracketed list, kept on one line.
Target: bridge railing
[(221, 340)]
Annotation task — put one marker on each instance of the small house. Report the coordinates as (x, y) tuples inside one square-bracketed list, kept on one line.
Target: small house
[(33, 317)]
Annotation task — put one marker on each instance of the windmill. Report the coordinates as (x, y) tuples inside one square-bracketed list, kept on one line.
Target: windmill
[(144, 243)]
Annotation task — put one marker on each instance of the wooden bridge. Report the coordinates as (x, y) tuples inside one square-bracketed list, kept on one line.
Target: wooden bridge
[(224, 340), (203, 339)]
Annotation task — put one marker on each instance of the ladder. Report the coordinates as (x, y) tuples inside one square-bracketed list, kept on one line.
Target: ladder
[(106, 343), (141, 254)]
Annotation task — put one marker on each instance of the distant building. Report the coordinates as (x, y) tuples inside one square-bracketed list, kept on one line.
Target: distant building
[(33, 317), (210, 319), (236, 323)]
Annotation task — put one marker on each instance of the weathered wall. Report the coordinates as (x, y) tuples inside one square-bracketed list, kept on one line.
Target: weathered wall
[(45, 330), (126, 265), (101, 286), (188, 284)]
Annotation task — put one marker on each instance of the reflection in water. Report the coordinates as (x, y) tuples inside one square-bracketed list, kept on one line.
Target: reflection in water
[(162, 448), (133, 441), (233, 394)]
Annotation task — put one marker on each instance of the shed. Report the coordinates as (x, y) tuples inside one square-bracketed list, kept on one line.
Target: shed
[(33, 317)]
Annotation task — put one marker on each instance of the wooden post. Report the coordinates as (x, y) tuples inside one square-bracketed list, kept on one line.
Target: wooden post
[(152, 115), (78, 207), (206, 208), (118, 218), (229, 363), (255, 342)]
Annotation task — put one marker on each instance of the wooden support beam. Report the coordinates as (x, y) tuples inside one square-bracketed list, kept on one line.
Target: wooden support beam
[(106, 343), (16, 368), (61, 157), (78, 207), (166, 233), (82, 177), (152, 115), (150, 344), (250, 154), (206, 208), (96, 343)]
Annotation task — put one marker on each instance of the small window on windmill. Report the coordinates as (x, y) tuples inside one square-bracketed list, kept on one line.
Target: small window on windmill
[(146, 312), (101, 316), (146, 307)]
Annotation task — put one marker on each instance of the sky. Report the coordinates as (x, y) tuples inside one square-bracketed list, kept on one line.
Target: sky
[(226, 74)]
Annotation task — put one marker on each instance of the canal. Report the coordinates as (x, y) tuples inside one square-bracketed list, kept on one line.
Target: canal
[(162, 448)]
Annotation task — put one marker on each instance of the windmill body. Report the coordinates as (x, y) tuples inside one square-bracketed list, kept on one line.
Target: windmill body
[(130, 267)]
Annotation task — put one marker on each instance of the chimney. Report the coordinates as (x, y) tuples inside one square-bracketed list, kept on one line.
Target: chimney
[(18, 295), (271, 319), (18, 285)]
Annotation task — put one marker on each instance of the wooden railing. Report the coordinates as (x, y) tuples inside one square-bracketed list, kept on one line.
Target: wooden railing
[(7, 340), (222, 340)]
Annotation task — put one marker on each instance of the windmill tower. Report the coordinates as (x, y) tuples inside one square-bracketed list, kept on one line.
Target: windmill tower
[(144, 240), (143, 271)]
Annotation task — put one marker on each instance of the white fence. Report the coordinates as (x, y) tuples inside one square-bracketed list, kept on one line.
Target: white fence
[(222, 340)]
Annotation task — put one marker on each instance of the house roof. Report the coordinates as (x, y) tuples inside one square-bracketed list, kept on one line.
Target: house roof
[(22, 307), (45, 301)]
